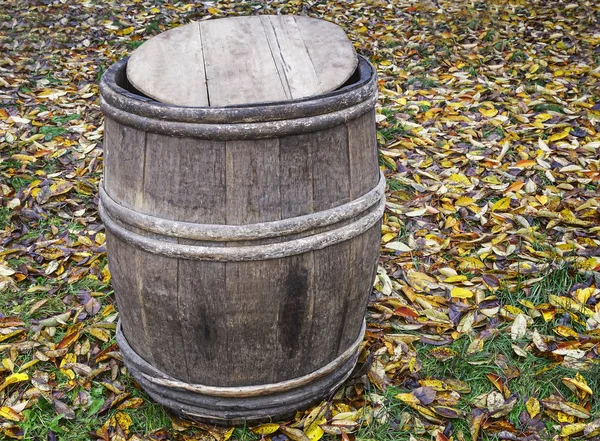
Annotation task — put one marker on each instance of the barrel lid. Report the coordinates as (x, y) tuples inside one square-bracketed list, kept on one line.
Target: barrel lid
[(243, 60)]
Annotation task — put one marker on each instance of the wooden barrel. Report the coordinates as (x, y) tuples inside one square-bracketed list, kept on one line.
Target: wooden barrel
[(243, 243)]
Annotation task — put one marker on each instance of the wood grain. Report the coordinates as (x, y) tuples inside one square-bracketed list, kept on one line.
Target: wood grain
[(252, 181), (184, 179), (330, 167), (241, 60), (170, 67), (362, 144), (125, 150)]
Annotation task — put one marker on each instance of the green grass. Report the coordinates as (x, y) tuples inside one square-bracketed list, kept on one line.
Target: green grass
[(544, 107), (51, 132), (20, 182), (394, 131), (534, 376), (19, 303), (556, 281), (397, 186), (5, 217)]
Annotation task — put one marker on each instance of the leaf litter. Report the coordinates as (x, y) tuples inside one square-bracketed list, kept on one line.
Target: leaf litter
[(484, 321)]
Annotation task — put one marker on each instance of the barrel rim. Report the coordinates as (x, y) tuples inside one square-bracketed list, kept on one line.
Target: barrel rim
[(115, 97)]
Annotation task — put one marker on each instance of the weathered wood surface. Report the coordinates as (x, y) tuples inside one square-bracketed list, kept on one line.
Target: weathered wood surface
[(240, 182), (261, 312), (242, 60), (169, 67)]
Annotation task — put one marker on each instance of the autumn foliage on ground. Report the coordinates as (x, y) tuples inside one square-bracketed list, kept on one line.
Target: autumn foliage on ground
[(484, 321)]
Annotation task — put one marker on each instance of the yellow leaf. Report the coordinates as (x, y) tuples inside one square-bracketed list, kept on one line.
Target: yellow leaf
[(489, 112), (106, 274), (314, 431), (501, 205), (460, 180), (511, 309), (577, 383), (51, 94), (227, 434), (492, 180), (464, 202), (213, 11), (564, 417), (23, 158), (8, 364), (127, 31), (454, 279), (387, 237), (131, 403), (533, 407), (570, 304), (461, 293), (84, 240), (27, 365), (407, 398), (265, 429), (420, 281), (14, 378), (565, 331), (100, 334), (571, 429), (124, 421), (471, 263), (584, 294), (560, 135), (10, 414), (436, 385), (61, 187)]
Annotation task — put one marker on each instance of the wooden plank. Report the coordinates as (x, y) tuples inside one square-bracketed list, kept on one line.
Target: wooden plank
[(238, 62), (364, 166), (330, 168), (123, 260), (252, 181), (204, 306), (332, 55), (170, 67), (185, 179), (332, 282), (125, 149), (298, 356), (295, 176), (363, 263), (159, 277), (291, 58), (251, 309)]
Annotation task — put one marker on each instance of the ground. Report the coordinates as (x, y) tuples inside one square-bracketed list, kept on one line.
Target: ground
[(484, 321)]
